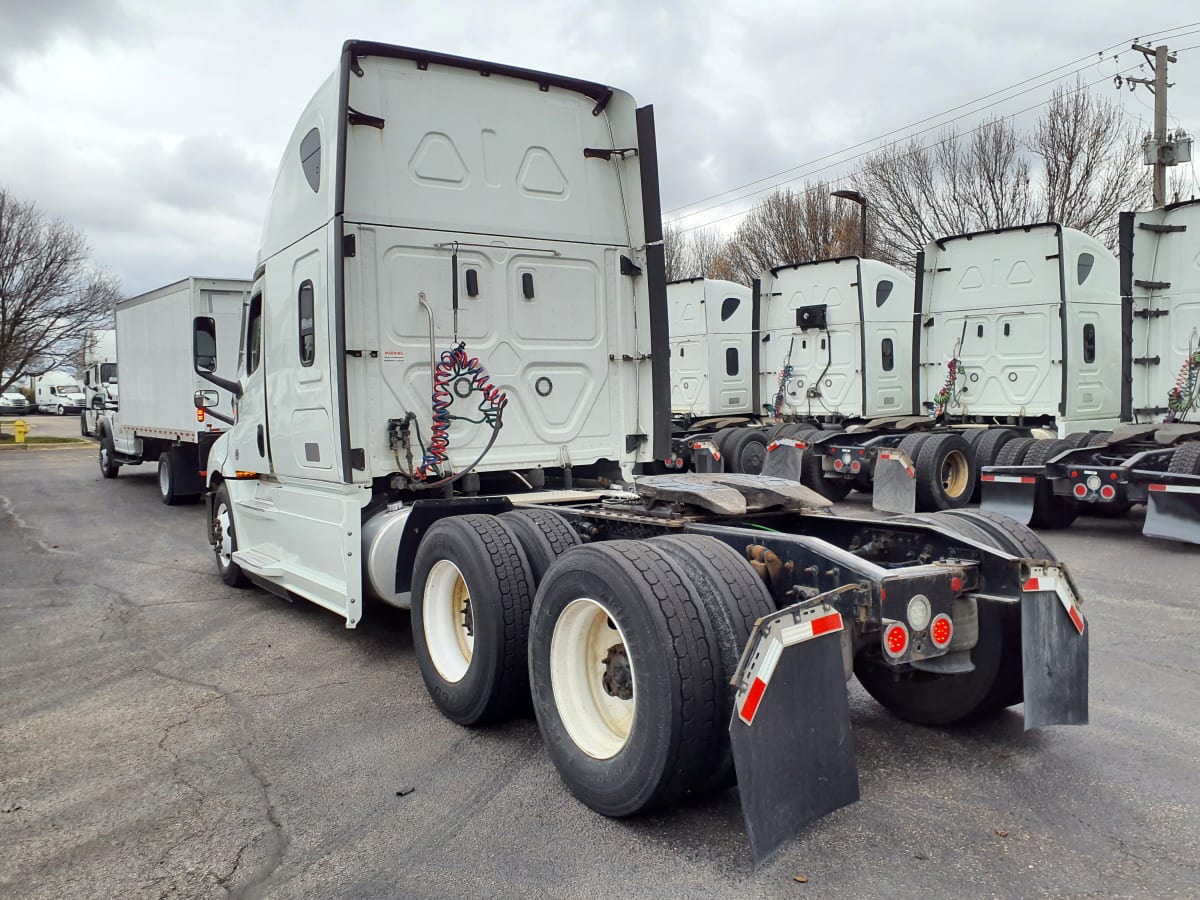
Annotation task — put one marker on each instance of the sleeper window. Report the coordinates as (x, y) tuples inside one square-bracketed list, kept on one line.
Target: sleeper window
[(308, 339)]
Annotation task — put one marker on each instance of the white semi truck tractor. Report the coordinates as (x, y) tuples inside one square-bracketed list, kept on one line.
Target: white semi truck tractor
[(1014, 347), (454, 361), (1149, 449)]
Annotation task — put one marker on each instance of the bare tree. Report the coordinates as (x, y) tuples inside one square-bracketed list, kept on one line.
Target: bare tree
[(957, 184), (790, 227), (675, 252), (1092, 163), (1080, 167), (51, 293)]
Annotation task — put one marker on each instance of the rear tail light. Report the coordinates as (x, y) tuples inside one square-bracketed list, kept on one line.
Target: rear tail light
[(895, 640), (837, 464), (1108, 492), (941, 630), (1081, 490), (855, 466)]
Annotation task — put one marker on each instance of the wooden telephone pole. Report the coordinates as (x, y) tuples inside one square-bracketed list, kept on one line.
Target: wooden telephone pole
[(1161, 150)]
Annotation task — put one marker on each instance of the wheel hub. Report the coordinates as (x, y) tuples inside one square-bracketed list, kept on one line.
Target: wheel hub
[(618, 676)]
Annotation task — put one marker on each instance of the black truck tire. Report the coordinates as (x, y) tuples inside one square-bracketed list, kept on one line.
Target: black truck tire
[(987, 448), (543, 534), (1185, 460), (226, 540), (1078, 438), (107, 455), (1013, 453), (1049, 510), (745, 450), (640, 730), (946, 472), (735, 598), (471, 594)]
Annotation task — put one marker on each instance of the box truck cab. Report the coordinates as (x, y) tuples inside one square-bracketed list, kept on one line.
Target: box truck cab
[(58, 393), (100, 390)]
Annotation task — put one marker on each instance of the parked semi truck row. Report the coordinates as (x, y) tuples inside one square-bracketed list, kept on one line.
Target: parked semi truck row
[(1150, 453), (454, 356)]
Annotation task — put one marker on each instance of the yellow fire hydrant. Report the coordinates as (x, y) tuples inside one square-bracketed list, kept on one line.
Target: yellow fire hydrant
[(20, 429)]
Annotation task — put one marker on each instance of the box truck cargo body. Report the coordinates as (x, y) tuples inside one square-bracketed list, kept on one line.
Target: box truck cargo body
[(157, 420)]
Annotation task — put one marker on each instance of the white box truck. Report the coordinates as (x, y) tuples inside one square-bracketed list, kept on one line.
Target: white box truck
[(459, 319), (99, 379), (57, 393), (158, 420)]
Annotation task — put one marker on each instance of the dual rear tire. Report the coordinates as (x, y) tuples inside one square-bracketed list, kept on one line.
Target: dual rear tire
[(625, 648)]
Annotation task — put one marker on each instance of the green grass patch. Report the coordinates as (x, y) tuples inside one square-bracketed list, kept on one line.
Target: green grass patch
[(7, 437)]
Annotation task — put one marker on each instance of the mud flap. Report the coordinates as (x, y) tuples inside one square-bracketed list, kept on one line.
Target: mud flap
[(792, 744), (895, 483), (785, 459), (707, 457), (1012, 495), (1054, 650), (1173, 512)]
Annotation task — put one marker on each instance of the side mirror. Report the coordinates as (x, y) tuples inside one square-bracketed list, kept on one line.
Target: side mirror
[(204, 344), (206, 399)]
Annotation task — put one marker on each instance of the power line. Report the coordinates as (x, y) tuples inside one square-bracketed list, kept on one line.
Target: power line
[(1164, 36), (835, 181)]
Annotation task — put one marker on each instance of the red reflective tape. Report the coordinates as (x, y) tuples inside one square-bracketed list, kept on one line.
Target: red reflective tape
[(750, 707), (1028, 479), (773, 446), (827, 623), (987, 477), (1031, 585), (1158, 487), (1077, 618)]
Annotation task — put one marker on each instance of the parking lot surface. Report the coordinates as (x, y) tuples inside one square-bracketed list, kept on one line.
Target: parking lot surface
[(164, 735)]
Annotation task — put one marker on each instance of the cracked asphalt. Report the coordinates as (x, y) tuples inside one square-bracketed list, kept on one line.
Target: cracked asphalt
[(163, 735)]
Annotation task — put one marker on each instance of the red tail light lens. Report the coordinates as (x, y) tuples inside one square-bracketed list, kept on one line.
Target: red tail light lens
[(1081, 490), (1108, 492), (941, 630), (895, 640)]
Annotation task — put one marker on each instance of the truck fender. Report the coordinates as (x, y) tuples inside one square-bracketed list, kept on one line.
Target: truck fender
[(424, 514)]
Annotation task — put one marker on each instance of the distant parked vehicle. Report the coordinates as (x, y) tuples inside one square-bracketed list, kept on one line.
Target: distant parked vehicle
[(57, 393), (13, 403)]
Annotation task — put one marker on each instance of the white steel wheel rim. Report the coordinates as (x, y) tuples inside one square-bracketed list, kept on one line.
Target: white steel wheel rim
[(446, 616), (225, 537), (164, 479), (103, 456), (599, 723)]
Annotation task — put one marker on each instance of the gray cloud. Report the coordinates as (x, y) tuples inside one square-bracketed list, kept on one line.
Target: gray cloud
[(28, 28)]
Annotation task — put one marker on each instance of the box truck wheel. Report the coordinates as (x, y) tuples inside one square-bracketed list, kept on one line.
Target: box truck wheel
[(225, 540), (734, 598), (624, 678), (472, 590), (543, 534), (946, 472), (108, 464)]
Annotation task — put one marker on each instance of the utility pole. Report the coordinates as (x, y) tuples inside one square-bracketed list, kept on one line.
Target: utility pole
[(1161, 150)]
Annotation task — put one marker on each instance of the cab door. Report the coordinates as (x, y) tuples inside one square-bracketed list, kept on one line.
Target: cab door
[(250, 448)]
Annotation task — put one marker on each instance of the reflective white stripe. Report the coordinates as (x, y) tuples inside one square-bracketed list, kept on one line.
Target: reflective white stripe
[(1174, 489), (1045, 578), (794, 634), (1013, 479), (768, 662)]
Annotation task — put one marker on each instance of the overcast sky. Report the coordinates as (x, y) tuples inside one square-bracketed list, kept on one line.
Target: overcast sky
[(156, 126)]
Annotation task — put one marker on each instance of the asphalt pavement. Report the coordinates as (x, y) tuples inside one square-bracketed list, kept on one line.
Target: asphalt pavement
[(163, 735)]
